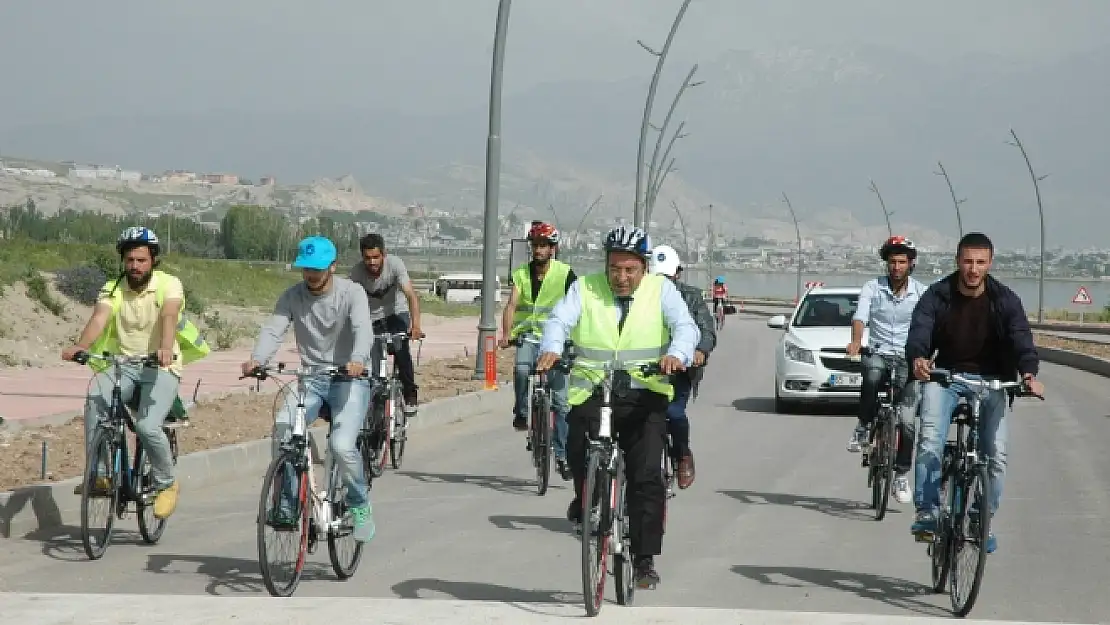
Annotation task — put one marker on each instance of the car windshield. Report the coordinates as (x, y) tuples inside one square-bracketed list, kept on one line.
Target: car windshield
[(826, 310)]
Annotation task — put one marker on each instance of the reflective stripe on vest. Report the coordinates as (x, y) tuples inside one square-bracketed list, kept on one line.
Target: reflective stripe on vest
[(532, 310), (597, 341)]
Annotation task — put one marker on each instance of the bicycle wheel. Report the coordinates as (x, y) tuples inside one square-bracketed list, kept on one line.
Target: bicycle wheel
[(99, 466), (378, 438), (541, 440), (595, 539), (969, 539), (398, 430), (940, 550), (625, 577), (283, 469), (343, 550), (151, 528), (882, 458)]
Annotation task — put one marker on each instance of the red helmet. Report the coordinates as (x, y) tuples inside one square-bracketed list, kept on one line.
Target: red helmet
[(544, 231), (898, 244)]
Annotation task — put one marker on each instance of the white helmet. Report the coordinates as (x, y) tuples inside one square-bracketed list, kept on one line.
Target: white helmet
[(665, 261)]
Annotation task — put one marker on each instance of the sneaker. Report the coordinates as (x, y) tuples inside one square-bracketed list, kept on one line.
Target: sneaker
[(563, 468), (409, 403), (165, 502), (992, 543), (925, 522), (973, 530), (901, 491), (859, 437), (282, 520), (363, 519), (574, 512), (646, 576)]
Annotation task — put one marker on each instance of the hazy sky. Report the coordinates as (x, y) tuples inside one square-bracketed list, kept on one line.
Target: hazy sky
[(74, 58)]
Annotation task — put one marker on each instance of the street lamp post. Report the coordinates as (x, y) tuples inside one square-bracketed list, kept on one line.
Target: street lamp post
[(1040, 209), (655, 182), (653, 190), (882, 204), (955, 203), (661, 56), (487, 329), (685, 236), (798, 233), (582, 221), (652, 172)]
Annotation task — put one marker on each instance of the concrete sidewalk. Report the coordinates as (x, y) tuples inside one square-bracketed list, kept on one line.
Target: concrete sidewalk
[(30, 397)]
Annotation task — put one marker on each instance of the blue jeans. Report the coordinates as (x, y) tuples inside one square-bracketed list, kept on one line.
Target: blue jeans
[(526, 355), (678, 426), (348, 400), (937, 404)]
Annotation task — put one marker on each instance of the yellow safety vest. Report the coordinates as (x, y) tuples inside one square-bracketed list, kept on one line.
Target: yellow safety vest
[(597, 340), (189, 339), (533, 309)]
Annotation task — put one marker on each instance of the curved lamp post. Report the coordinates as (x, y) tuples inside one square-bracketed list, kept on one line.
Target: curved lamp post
[(882, 204), (798, 233), (1040, 209), (955, 203)]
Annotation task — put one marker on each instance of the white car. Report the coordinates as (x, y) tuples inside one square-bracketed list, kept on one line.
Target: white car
[(811, 362)]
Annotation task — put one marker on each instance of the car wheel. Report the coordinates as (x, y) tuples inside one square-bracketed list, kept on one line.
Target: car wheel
[(781, 405)]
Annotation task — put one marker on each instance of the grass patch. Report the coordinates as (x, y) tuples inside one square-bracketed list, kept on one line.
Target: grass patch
[(39, 291), (430, 305), (1094, 315)]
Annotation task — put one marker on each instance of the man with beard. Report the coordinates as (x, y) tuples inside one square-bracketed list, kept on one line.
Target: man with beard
[(886, 306), (975, 326), (537, 286), (331, 324), (138, 315)]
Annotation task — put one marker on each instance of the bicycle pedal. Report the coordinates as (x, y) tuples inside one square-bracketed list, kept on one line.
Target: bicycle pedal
[(924, 537)]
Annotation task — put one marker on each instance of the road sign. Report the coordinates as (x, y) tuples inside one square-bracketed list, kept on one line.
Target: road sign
[(1082, 296)]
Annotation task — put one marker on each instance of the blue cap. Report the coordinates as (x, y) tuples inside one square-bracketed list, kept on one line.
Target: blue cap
[(315, 253)]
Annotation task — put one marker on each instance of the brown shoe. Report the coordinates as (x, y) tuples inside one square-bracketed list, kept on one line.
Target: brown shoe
[(686, 471)]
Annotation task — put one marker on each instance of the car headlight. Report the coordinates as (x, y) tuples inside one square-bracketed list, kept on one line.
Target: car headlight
[(797, 354)]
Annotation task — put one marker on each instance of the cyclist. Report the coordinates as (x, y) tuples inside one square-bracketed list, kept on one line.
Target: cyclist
[(886, 306), (331, 325), (593, 314), (129, 320), (394, 306), (720, 293), (975, 326), (666, 262), (537, 286)]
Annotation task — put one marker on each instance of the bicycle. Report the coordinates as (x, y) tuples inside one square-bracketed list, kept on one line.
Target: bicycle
[(960, 523), (292, 466), (883, 441), (605, 487), (542, 422), (385, 430), (123, 484), (719, 313)]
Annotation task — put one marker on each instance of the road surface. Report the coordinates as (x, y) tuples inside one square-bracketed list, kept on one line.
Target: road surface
[(776, 519)]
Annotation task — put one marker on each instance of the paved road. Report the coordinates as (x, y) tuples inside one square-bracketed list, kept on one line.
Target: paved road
[(775, 521)]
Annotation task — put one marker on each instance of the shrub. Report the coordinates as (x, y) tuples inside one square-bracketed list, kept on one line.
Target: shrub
[(38, 290), (193, 302), (81, 284)]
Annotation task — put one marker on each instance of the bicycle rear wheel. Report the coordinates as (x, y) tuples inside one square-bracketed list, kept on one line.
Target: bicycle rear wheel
[(398, 430), (595, 539), (882, 460), (100, 466), (940, 550), (541, 440), (625, 577), (292, 522), (343, 550), (969, 539)]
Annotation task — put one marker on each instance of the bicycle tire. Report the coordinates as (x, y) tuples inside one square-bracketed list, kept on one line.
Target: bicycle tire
[(102, 441), (340, 513), (963, 602), (151, 530), (283, 459), (378, 433), (885, 469), (397, 436), (541, 441), (623, 562), (941, 547), (593, 533)]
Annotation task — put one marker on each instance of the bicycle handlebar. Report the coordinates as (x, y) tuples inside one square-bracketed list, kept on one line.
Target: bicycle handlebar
[(262, 372), (146, 360), (946, 377)]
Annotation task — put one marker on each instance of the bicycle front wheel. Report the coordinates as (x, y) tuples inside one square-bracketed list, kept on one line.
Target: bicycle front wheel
[(541, 441), (344, 551), (971, 529), (398, 430), (595, 539), (283, 523), (882, 459), (151, 528), (100, 494), (940, 550), (625, 576)]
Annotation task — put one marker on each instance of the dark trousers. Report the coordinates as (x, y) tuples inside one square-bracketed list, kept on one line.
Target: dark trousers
[(876, 370), (640, 425), (678, 426), (403, 358)]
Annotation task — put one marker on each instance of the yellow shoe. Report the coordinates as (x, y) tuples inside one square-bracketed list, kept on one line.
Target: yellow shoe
[(166, 502)]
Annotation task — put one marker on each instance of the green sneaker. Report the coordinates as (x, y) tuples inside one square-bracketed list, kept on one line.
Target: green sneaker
[(363, 518)]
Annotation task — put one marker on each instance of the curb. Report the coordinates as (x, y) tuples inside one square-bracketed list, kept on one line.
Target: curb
[(49, 505)]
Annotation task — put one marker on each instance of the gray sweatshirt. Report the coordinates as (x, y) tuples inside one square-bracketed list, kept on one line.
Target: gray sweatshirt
[(331, 329)]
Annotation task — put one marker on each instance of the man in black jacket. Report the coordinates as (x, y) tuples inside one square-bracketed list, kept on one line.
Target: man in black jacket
[(665, 261), (977, 327)]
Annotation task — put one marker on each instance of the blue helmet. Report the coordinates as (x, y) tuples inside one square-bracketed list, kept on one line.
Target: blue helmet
[(719, 280)]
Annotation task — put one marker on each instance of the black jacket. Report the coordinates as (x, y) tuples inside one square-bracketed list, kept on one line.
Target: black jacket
[(1008, 320), (699, 310)]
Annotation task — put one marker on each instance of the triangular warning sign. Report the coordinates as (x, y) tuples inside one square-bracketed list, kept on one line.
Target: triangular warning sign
[(1082, 296)]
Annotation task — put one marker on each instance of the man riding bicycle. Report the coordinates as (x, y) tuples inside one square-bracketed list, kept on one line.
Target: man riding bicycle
[(886, 306), (976, 327), (138, 315), (666, 262), (332, 327), (720, 293), (394, 306), (593, 315), (537, 286)]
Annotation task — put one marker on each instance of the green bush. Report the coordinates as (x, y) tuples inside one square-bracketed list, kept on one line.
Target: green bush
[(39, 291), (81, 284)]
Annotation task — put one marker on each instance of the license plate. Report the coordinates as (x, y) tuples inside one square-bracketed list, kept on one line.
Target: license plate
[(846, 380)]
